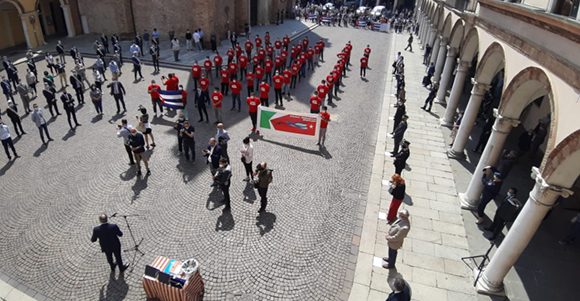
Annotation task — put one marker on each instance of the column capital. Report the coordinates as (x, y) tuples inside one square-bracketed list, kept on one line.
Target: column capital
[(479, 88), (504, 124), (443, 41), (547, 188), (463, 66)]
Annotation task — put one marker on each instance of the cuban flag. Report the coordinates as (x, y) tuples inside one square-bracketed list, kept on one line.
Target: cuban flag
[(171, 99), (377, 26), (362, 24)]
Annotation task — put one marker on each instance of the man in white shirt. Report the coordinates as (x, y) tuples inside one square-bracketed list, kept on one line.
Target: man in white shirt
[(7, 140), (40, 121), (124, 131), (175, 47), (196, 40)]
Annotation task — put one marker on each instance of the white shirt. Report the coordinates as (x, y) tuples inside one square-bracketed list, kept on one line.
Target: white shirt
[(196, 37), (4, 132), (175, 44), (248, 152)]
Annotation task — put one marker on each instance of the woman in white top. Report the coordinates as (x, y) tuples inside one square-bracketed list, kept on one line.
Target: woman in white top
[(175, 47), (247, 151)]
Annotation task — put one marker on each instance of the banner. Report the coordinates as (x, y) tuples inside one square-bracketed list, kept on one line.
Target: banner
[(171, 99), (301, 125)]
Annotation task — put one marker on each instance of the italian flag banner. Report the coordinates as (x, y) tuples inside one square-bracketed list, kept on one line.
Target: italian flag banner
[(302, 125)]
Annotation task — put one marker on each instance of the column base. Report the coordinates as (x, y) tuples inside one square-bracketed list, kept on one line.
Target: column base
[(445, 123), (485, 287), (466, 203), (440, 101), (455, 155)]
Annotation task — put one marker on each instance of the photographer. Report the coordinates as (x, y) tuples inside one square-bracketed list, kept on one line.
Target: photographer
[(264, 179), (186, 133), (222, 179)]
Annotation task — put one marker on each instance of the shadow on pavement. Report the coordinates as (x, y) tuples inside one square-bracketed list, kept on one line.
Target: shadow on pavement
[(265, 222), (249, 193), (116, 289), (140, 185), (225, 222), (40, 150), (6, 167)]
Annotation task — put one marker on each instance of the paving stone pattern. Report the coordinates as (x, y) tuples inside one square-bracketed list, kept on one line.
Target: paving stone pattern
[(299, 250)]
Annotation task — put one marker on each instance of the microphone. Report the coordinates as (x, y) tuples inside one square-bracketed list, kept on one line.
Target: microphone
[(114, 214)]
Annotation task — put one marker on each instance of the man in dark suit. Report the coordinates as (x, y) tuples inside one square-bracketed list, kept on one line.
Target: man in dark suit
[(401, 157), (213, 154), (399, 134), (108, 236), (117, 90)]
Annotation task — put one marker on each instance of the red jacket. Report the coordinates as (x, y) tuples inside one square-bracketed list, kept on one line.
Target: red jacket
[(315, 103), (204, 84), (253, 103), (264, 90), (218, 60), (216, 99), (278, 81), (196, 71), (225, 76), (236, 87)]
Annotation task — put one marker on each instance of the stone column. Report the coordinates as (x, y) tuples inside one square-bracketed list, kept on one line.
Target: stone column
[(500, 130), (423, 32), (469, 117), (455, 94), (31, 28), (70, 28), (446, 75), (440, 59), (25, 18), (540, 201), (431, 37), (435, 52)]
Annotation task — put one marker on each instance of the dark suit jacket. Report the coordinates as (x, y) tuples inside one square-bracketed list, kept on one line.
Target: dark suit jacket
[(108, 236), (400, 130), (215, 156)]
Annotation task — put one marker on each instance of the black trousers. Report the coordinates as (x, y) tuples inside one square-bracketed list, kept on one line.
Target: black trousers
[(156, 64), (248, 168), (80, 95), (17, 124), (226, 191), (130, 153), (397, 144), (179, 143), (202, 110), (278, 93), (137, 70), (119, 98), (189, 146), (8, 143), (264, 102), (71, 114), (363, 71), (157, 103), (399, 168), (254, 118), (43, 129), (428, 101), (118, 258), (50, 106), (263, 192), (225, 89)]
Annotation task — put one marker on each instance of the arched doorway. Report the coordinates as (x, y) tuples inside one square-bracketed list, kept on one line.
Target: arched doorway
[(52, 18), (11, 29)]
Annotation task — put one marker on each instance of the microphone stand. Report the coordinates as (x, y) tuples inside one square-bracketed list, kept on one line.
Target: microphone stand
[(135, 243)]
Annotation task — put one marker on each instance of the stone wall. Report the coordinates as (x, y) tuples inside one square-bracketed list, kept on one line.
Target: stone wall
[(108, 16)]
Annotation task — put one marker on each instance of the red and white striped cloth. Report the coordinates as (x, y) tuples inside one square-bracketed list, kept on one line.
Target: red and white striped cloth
[(191, 291)]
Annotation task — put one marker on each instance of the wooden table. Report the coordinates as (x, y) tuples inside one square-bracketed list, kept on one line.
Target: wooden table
[(191, 291)]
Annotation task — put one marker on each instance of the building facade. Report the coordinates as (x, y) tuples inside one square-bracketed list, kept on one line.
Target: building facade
[(32, 22), (525, 55)]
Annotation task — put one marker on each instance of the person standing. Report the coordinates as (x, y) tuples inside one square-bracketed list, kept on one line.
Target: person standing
[(188, 38), (222, 178), (186, 133), (278, 82), (15, 119), (427, 54), (222, 137), (97, 98), (506, 212), (492, 181), (124, 131), (315, 103), (401, 291), (197, 40), (144, 127), (195, 74), (153, 91), (175, 47), (137, 143), (154, 52), (397, 190), (38, 119), (61, 73), (253, 103), (216, 102), (213, 152), (7, 89), (395, 237), (201, 99), (7, 140), (264, 92), (263, 182), (108, 237), (136, 67), (225, 80), (60, 52), (430, 97), (50, 95), (68, 104), (236, 88), (117, 90), (399, 134), (77, 84), (401, 157), (247, 151), (324, 120), (24, 93), (31, 81), (410, 43), (364, 61)]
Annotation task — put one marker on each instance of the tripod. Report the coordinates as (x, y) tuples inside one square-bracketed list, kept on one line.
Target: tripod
[(478, 267), (135, 243)]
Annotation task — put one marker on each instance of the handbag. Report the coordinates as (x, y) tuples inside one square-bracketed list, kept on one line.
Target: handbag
[(243, 159)]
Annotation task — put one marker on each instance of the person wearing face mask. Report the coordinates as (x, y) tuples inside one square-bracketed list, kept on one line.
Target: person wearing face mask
[(222, 179), (97, 98), (506, 212), (38, 119), (397, 189), (137, 143), (213, 152), (222, 138), (7, 140), (124, 131)]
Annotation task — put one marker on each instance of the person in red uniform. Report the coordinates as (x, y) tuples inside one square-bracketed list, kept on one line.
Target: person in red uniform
[(267, 38), (253, 103), (153, 90), (294, 69), (310, 58), (264, 92), (255, 62), (238, 50), (278, 46), (330, 85), (317, 53), (230, 53), (207, 64), (321, 54), (203, 98), (216, 102), (284, 57), (367, 51), (248, 46), (196, 74), (225, 80), (363, 66), (171, 82), (286, 87), (302, 61), (268, 66), (337, 80), (217, 61), (293, 54), (259, 74), (322, 90), (233, 70), (236, 87), (278, 82), (315, 103), (324, 120), (183, 96), (258, 41), (261, 54), (243, 62), (285, 42), (305, 42), (250, 82)]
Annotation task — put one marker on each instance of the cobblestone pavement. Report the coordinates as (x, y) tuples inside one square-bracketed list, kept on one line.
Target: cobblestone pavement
[(299, 250)]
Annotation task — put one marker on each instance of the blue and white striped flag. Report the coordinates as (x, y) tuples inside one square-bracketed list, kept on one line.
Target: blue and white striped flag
[(376, 25), (171, 99)]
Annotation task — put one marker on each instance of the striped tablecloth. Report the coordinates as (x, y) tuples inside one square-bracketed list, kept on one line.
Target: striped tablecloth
[(191, 291)]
